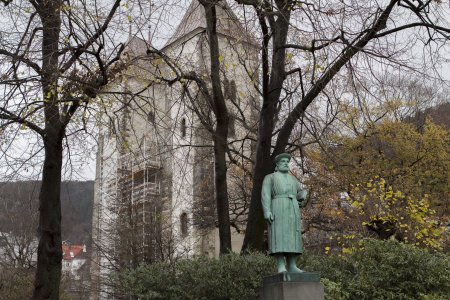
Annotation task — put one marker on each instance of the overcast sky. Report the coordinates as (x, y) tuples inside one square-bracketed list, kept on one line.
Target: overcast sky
[(157, 19)]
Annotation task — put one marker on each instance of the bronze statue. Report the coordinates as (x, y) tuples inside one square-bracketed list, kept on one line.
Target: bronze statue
[(282, 195)]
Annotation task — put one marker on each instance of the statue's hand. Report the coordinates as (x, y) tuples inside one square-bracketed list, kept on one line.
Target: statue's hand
[(269, 217), (301, 203), (301, 195)]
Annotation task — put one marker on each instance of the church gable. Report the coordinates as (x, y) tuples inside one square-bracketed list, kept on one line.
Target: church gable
[(194, 21)]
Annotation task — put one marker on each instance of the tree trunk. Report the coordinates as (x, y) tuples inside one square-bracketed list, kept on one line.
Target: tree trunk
[(221, 131), (254, 234), (48, 273), (223, 215), (272, 87)]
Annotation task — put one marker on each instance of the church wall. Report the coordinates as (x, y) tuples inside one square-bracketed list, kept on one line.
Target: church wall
[(183, 159), (178, 214), (241, 95)]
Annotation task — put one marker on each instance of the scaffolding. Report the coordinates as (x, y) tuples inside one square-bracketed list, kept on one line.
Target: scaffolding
[(139, 203)]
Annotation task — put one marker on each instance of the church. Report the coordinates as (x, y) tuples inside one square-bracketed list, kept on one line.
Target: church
[(154, 189)]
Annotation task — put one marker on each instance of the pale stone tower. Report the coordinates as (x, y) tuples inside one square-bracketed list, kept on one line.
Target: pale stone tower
[(154, 196)]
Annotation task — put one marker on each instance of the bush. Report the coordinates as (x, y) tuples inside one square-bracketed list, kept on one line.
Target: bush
[(18, 284), (15, 283), (383, 270), (373, 270), (230, 277)]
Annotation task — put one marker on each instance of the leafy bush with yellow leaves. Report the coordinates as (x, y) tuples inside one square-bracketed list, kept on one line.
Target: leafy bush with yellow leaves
[(389, 213)]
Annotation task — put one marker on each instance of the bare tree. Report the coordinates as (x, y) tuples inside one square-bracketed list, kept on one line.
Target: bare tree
[(220, 134), (18, 220), (313, 42), (56, 56)]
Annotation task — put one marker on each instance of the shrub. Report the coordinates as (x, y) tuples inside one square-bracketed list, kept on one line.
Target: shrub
[(372, 270), (15, 283), (383, 270), (18, 283), (230, 277)]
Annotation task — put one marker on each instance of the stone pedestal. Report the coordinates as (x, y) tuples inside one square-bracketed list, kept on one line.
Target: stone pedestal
[(292, 286)]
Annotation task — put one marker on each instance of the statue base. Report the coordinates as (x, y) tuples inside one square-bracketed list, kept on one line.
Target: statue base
[(292, 286)]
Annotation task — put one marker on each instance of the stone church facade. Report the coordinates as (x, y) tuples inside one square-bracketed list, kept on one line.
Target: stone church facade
[(154, 189)]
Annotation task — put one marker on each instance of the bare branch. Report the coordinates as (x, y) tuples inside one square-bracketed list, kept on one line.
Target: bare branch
[(83, 48), (21, 58), (412, 25), (7, 115), (313, 46)]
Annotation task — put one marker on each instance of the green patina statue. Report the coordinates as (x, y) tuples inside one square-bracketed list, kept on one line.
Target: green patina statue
[(282, 195)]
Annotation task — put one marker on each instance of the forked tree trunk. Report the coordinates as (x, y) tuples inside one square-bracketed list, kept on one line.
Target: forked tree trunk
[(272, 87), (254, 233)]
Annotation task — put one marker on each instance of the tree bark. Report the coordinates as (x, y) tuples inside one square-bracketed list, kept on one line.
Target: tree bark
[(48, 273), (221, 131)]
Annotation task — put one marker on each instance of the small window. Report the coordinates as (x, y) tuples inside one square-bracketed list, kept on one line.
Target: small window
[(151, 175), (151, 117), (126, 120), (231, 127), (233, 91), (183, 127), (184, 224), (230, 90), (111, 128)]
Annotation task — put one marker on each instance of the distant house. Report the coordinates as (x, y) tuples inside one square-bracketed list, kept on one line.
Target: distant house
[(74, 257), (75, 270)]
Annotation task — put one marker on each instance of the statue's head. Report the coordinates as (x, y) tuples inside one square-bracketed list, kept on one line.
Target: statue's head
[(282, 162)]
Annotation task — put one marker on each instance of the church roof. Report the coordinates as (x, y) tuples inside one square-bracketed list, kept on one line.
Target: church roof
[(195, 20)]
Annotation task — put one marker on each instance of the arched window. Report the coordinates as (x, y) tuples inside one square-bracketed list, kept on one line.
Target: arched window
[(183, 127), (184, 224), (230, 90), (231, 127), (151, 117)]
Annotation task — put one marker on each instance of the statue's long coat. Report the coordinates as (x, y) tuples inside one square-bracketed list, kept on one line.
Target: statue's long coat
[(279, 196)]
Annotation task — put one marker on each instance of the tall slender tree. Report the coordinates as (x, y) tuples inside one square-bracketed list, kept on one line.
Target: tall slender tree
[(220, 134), (55, 56)]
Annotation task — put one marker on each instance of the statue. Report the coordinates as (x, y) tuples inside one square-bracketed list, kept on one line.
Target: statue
[(282, 195)]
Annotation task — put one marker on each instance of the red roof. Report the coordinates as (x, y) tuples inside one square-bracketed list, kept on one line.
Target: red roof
[(72, 251)]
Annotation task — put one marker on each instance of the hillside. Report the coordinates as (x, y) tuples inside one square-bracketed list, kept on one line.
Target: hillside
[(19, 206)]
